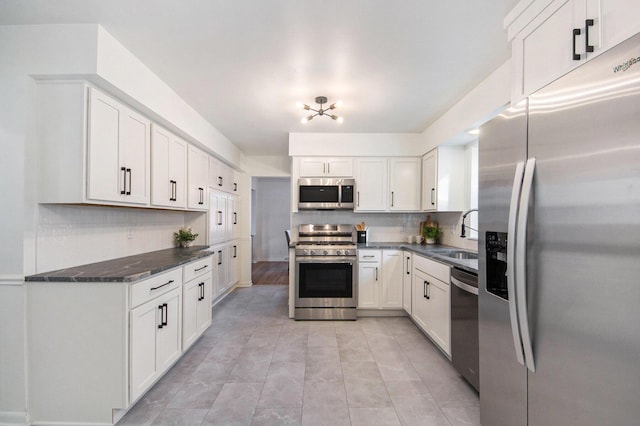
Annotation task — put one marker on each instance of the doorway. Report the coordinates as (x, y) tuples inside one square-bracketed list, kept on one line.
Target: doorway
[(270, 218)]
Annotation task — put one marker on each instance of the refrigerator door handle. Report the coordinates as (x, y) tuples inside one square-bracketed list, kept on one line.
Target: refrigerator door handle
[(521, 258), (511, 261)]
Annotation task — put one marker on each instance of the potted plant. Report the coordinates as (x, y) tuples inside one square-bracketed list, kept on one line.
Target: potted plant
[(185, 236), (431, 233)]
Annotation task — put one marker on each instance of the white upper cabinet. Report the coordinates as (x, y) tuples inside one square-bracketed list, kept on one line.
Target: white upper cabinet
[(118, 152), (550, 38), (404, 184), (326, 167), (168, 169), (444, 186), (371, 184), (222, 177), (198, 178)]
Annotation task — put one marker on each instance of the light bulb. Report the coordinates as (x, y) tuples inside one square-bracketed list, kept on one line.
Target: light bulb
[(338, 119), (306, 119), (338, 104), (299, 104)]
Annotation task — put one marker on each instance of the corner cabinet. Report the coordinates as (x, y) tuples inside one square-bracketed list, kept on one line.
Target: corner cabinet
[(379, 279), (443, 179), (552, 37), (406, 280), (92, 148), (431, 305)]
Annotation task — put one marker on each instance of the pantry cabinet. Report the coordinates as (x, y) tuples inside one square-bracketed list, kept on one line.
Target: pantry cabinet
[(198, 177), (326, 167), (562, 34), (222, 177), (404, 184), (431, 305), (444, 180), (371, 184), (168, 169)]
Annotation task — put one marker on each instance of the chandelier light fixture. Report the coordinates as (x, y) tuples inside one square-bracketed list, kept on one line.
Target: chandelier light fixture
[(320, 111)]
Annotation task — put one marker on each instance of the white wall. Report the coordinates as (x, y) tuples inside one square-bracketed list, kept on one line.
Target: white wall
[(268, 166), (355, 144), (272, 218)]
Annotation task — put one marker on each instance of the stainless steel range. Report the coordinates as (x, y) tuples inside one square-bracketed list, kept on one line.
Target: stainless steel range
[(326, 273)]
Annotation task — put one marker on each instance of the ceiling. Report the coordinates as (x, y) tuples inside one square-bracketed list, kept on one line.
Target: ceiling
[(243, 64)]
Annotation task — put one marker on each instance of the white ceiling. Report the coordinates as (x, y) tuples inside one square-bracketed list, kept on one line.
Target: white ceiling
[(243, 64)]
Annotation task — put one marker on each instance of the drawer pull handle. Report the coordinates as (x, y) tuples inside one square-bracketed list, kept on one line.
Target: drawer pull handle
[(160, 286), (200, 269)]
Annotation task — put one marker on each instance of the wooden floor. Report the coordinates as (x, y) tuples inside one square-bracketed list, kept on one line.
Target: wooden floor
[(270, 273)]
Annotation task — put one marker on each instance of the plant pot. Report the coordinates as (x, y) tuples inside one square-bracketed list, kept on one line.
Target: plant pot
[(185, 243), (430, 240)]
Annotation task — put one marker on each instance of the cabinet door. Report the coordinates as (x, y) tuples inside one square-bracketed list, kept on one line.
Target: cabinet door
[(135, 156), (392, 279), (232, 217), (543, 51), (168, 169), (145, 319), (203, 309), (197, 181), (313, 167), (105, 181), (118, 152), (371, 184), (222, 269), (339, 167), (191, 294), (439, 325), (169, 337), (406, 281), (430, 181), (404, 182), (419, 301), (234, 261), (368, 285)]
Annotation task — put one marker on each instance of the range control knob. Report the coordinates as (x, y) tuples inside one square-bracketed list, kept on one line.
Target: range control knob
[(312, 252), (339, 252), (346, 253), (326, 252)]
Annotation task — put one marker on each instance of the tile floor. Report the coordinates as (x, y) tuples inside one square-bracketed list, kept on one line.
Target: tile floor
[(254, 366)]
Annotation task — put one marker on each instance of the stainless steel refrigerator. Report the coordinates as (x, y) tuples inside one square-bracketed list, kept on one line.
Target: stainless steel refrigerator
[(559, 246)]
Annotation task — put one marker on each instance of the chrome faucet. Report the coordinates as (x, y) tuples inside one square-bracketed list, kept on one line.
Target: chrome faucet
[(464, 215)]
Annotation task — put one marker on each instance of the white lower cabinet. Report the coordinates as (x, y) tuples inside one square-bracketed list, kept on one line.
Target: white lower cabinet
[(196, 300), (379, 279), (430, 304), (155, 339)]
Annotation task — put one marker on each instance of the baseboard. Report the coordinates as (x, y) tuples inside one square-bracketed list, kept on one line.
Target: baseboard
[(13, 418), (372, 313)]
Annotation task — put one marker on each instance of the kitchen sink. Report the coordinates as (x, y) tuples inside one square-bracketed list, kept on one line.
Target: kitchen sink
[(459, 254)]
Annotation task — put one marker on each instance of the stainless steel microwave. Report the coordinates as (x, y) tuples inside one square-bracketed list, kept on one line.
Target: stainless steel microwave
[(326, 194)]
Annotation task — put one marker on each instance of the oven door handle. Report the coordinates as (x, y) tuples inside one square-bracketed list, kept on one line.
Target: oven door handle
[(326, 259)]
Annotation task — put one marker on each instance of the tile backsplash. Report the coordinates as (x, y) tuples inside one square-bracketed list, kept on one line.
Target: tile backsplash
[(71, 235)]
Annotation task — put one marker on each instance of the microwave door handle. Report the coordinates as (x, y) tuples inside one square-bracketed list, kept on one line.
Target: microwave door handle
[(521, 266), (511, 261), (340, 194)]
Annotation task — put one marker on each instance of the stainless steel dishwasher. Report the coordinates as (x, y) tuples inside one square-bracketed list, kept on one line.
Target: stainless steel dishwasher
[(464, 325)]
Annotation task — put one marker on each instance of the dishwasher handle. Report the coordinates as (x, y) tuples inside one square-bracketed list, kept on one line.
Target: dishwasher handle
[(466, 287)]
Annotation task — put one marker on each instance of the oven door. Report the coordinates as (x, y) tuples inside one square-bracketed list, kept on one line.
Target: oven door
[(325, 282)]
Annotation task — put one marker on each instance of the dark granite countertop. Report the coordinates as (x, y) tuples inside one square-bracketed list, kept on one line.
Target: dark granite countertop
[(125, 269), (433, 251)]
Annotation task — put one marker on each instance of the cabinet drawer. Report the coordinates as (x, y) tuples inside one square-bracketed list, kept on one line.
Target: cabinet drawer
[(369, 255), (197, 268), (435, 269), (155, 286)]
